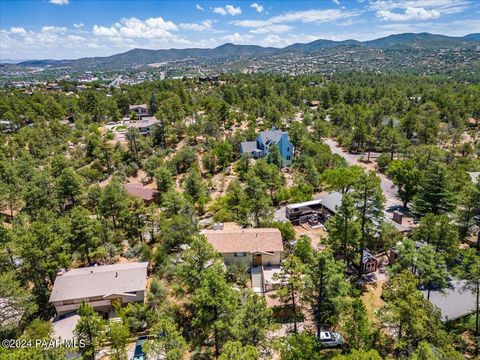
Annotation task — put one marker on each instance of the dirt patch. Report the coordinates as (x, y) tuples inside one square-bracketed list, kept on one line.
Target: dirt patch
[(372, 299), (316, 234)]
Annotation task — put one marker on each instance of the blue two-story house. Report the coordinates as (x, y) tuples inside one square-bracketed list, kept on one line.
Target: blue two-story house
[(266, 139)]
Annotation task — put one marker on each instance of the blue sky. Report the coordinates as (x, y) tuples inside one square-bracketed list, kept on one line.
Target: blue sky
[(64, 29)]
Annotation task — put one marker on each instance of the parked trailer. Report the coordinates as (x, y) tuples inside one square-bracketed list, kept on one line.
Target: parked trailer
[(296, 212)]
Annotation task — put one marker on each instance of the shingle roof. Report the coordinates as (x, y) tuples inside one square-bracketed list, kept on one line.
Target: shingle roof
[(273, 135), (146, 121), (245, 240), (248, 146), (132, 107), (139, 191), (456, 301), (100, 281)]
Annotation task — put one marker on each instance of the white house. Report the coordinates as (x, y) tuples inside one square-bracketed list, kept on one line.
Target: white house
[(99, 286)]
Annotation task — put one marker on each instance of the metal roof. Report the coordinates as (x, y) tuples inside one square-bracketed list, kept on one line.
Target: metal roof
[(456, 301)]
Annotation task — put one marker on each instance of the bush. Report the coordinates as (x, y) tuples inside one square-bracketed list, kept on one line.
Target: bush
[(382, 162)]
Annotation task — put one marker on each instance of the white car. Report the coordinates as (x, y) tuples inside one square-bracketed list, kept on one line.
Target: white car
[(331, 339)]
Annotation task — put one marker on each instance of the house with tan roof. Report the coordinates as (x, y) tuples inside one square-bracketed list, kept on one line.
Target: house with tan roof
[(261, 249), (256, 247), (99, 286)]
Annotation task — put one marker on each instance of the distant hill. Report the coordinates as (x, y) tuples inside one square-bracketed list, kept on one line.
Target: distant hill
[(422, 40), (236, 52)]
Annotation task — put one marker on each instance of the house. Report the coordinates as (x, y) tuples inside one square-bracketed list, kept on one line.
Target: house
[(145, 125), (256, 247), (475, 176), (137, 190), (454, 302), (369, 262), (331, 201), (260, 249), (8, 126), (312, 103), (99, 286), (141, 110), (265, 139)]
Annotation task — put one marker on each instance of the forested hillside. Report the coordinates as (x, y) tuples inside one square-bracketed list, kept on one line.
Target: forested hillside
[(66, 156)]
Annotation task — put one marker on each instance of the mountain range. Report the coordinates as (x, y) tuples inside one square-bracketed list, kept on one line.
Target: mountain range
[(139, 57)]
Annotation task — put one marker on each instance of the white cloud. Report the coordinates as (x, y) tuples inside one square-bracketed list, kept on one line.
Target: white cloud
[(78, 26), (236, 38), (410, 13), (405, 10), (104, 31), (306, 16), (259, 8), (135, 28), (204, 25), (336, 2), (219, 10), (232, 10), (58, 2), (53, 29), (228, 9), (198, 7), (278, 28), (18, 30)]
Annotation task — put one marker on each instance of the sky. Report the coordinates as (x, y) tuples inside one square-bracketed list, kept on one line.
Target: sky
[(70, 29)]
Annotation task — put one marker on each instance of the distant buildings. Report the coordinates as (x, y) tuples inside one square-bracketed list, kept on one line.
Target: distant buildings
[(265, 140), (99, 286)]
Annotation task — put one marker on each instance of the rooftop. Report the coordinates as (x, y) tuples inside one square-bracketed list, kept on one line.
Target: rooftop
[(456, 301), (132, 107), (270, 136), (245, 240), (145, 122), (100, 281), (139, 191)]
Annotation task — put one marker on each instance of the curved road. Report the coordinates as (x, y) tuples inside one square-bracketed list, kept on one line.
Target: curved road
[(388, 188)]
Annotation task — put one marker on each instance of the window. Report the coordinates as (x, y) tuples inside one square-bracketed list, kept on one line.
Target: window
[(288, 157), (240, 254), (288, 149)]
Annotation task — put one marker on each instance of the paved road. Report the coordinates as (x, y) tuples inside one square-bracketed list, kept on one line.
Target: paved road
[(388, 188)]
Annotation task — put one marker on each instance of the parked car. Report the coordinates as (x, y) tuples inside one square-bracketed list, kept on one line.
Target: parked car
[(331, 339), (139, 354)]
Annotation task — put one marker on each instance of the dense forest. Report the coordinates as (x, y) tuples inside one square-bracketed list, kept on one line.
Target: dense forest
[(63, 205)]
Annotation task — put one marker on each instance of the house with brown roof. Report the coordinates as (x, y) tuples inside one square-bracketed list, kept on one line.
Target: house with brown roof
[(139, 191), (256, 247), (99, 286)]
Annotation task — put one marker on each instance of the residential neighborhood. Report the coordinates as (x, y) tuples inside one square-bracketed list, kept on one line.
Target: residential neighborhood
[(239, 181)]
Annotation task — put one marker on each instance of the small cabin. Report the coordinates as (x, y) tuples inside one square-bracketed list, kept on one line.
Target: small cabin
[(369, 263)]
